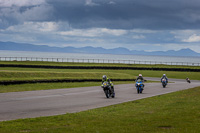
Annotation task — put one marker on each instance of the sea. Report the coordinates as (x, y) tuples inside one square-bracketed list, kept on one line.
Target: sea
[(78, 56)]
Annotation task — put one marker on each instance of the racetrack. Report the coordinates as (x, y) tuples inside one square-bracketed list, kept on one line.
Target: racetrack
[(30, 104)]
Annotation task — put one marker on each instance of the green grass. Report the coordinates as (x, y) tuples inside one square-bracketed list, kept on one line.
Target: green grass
[(49, 86), (44, 86), (34, 73), (176, 112), (13, 73), (20, 75)]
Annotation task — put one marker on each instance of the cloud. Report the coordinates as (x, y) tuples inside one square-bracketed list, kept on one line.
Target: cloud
[(14, 12), (112, 2), (117, 23), (193, 38), (20, 3), (114, 14), (90, 3), (145, 31), (129, 14), (34, 27), (186, 36), (138, 37), (94, 32)]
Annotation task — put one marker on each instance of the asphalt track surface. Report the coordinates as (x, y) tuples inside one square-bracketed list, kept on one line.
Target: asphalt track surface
[(30, 104)]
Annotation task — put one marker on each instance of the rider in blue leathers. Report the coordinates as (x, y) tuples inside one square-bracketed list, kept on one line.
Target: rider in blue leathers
[(141, 78)]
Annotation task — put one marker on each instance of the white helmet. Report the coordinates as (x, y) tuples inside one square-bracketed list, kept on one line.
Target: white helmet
[(104, 77), (164, 74), (140, 75)]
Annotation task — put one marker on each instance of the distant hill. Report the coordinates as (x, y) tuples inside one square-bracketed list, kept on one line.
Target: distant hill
[(12, 46)]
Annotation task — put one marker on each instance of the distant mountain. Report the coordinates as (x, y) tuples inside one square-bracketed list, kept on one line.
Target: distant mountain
[(91, 50)]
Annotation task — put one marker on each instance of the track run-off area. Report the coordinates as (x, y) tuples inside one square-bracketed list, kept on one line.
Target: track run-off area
[(31, 104)]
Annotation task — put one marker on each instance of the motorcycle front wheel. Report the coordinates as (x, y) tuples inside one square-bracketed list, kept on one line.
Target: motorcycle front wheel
[(113, 95), (138, 90), (164, 85), (107, 93)]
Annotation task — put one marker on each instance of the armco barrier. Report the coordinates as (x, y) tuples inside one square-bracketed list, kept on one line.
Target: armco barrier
[(57, 80)]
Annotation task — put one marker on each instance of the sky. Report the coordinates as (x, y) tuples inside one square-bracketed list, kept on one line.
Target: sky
[(150, 25)]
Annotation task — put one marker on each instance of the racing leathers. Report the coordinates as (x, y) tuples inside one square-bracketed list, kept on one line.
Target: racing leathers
[(142, 79), (164, 77)]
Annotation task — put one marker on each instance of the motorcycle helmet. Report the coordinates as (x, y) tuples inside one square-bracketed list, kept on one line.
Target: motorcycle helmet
[(104, 77), (164, 75), (140, 75)]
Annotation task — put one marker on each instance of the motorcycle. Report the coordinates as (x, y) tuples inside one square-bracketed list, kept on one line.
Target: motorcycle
[(139, 86), (188, 80), (164, 82), (107, 90)]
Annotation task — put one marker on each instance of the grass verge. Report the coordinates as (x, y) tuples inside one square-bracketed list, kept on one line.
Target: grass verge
[(176, 112), (29, 74), (13, 74), (34, 73), (49, 86)]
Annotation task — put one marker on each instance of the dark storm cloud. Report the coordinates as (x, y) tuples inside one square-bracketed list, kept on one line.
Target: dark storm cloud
[(128, 14), (115, 14), (18, 12)]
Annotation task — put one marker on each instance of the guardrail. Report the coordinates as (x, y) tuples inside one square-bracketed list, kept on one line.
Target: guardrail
[(57, 81), (73, 60)]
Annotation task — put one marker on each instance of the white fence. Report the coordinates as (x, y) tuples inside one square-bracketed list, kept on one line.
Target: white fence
[(73, 60)]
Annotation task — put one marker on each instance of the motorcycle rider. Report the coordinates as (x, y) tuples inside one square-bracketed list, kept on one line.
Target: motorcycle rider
[(141, 78), (188, 80), (164, 77), (106, 79)]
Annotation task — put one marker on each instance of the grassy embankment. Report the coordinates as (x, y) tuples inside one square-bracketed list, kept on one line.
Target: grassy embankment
[(15, 73), (176, 112)]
